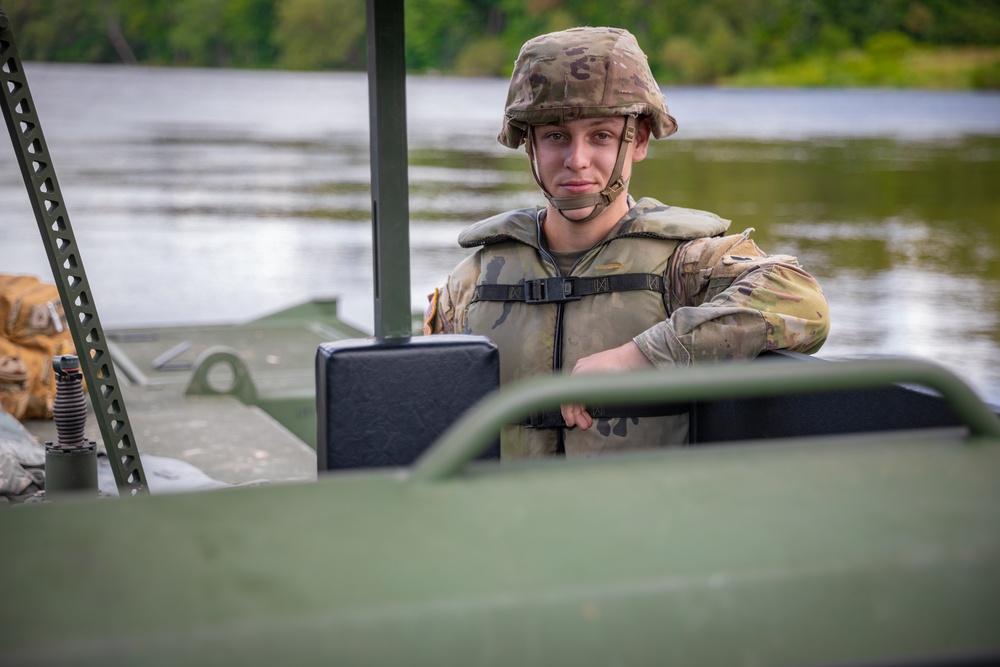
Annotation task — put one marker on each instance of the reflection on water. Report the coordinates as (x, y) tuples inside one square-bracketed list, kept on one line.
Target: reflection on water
[(206, 195)]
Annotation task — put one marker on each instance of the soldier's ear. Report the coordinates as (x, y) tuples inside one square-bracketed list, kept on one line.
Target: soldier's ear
[(641, 144)]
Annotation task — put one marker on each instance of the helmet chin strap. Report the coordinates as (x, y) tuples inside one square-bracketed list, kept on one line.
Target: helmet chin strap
[(599, 200)]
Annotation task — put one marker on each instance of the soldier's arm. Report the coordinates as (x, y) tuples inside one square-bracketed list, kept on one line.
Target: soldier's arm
[(729, 300), (435, 321), (446, 305)]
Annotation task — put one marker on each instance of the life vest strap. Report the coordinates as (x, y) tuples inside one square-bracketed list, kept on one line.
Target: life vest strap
[(561, 288)]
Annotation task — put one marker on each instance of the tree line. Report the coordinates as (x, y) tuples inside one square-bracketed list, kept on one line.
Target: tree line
[(688, 41)]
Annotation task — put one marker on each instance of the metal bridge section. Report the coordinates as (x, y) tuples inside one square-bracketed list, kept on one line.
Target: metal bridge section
[(67, 268)]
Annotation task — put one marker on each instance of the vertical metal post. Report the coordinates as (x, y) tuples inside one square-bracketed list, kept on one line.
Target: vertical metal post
[(67, 267), (390, 189)]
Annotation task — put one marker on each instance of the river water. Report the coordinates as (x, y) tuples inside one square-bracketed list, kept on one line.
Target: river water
[(218, 196)]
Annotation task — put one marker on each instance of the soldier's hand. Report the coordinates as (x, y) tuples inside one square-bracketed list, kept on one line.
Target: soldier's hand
[(628, 357)]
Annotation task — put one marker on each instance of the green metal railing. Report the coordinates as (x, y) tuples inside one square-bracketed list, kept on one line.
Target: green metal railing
[(478, 428), (67, 267)]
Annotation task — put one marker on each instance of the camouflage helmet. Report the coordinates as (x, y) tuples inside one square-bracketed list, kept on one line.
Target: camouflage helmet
[(582, 73)]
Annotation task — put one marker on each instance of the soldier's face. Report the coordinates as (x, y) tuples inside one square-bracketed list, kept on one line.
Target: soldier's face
[(578, 157)]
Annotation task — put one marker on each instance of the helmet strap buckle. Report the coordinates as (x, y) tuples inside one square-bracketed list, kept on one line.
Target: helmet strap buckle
[(611, 192)]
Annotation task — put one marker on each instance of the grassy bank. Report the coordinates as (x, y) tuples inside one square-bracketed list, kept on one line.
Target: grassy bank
[(917, 67)]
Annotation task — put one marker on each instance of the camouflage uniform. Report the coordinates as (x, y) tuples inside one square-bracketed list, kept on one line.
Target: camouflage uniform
[(22, 461), (720, 298), (664, 277)]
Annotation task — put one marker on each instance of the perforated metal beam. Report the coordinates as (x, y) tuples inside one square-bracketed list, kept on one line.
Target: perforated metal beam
[(67, 267)]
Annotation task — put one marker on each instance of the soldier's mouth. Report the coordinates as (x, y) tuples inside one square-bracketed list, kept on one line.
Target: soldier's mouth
[(577, 187)]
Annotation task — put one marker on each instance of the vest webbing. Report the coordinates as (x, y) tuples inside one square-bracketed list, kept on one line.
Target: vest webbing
[(562, 288), (553, 418)]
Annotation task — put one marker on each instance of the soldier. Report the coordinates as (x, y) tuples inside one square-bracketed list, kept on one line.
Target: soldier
[(595, 281)]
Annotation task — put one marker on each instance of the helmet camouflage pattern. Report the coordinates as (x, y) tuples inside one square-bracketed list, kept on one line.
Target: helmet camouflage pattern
[(582, 73)]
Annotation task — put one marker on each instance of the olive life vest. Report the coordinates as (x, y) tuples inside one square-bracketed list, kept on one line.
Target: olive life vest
[(542, 322)]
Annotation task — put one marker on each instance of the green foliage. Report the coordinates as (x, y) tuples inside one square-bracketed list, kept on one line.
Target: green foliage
[(249, 26), (196, 35), (916, 67), (487, 56), (436, 31), (888, 45), (832, 39), (987, 76), (682, 60), (320, 34), (788, 42), (57, 30), (146, 25)]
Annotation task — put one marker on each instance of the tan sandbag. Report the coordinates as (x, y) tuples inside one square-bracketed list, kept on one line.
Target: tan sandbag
[(33, 330), (41, 383), (27, 382), (14, 381), (31, 315)]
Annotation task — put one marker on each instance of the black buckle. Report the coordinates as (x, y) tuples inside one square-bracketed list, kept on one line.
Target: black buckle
[(550, 290)]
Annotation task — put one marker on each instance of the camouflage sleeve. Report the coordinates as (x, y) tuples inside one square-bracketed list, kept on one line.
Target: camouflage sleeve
[(447, 305), (729, 300), (14, 479)]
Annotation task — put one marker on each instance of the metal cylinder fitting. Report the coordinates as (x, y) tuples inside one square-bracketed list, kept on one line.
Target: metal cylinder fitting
[(71, 463), (70, 471)]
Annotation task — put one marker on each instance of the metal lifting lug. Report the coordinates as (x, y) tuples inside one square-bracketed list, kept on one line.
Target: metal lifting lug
[(550, 290)]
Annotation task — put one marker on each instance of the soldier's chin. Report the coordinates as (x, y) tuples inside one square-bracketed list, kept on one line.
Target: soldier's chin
[(577, 214)]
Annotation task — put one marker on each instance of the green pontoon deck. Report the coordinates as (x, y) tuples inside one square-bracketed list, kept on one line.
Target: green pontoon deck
[(235, 400)]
